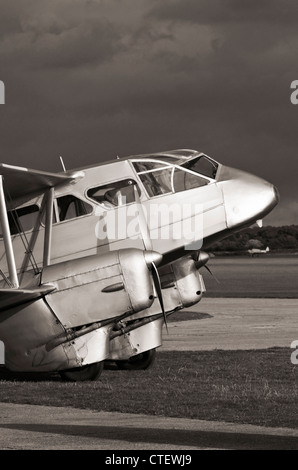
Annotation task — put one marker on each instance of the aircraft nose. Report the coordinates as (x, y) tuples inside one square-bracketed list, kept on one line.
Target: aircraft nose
[(276, 193), (247, 198)]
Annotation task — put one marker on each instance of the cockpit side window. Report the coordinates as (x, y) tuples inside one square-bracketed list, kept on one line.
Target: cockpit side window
[(114, 194), (202, 165), (146, 166), (157, 182), (167, 178), (184, 180)]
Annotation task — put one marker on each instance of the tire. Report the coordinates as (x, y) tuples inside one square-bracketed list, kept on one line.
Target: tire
[(141, 361), (82, 374)]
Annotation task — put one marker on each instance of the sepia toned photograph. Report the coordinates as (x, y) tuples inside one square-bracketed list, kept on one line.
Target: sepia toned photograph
[(148, 227)]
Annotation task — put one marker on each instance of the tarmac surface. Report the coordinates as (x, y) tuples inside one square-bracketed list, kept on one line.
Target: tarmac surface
[(234, 324), (35, 427), (225, 324)]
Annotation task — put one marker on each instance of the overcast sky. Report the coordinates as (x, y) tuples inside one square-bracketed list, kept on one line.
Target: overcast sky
[(93, 79)]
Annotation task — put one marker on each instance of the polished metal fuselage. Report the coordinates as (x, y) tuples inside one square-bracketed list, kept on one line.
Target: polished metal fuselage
[(95, 280), (234, 200)]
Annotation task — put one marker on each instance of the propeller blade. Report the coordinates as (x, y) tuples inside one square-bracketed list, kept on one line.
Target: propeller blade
[(213, 275), (150, 254), (157, 286)]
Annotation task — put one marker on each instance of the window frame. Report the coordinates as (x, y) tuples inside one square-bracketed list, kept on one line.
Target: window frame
[(110, 183), (167, 165), (197, 158), (56, 209), (15, 209)]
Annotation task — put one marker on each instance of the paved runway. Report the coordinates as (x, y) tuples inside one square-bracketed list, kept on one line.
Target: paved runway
[(235, 324), (227, 324), (49, 428)]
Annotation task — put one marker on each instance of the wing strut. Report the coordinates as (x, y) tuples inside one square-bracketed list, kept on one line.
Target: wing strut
[(7, 239), (48, 228)]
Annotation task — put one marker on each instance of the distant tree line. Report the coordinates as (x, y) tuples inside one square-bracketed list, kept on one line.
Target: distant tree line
[(277, 238)]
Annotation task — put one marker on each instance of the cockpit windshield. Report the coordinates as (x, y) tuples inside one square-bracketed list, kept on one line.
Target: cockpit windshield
[(202, 165), (161, 177)]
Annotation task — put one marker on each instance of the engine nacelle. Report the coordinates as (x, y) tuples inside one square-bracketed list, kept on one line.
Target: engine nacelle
[(97, 288), (182, 286), (70, 327)]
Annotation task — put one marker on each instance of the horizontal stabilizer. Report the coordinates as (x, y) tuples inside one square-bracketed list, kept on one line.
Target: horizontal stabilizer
[(19, 181), (12, 297)]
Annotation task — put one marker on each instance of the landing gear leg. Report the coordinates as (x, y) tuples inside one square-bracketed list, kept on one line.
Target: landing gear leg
[(84, 373), (141, 361)]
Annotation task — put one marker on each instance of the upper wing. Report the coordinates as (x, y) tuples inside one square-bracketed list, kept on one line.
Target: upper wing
[(19, 181)]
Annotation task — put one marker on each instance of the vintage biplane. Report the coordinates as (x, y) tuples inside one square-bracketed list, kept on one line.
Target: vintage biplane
[(94, 260)]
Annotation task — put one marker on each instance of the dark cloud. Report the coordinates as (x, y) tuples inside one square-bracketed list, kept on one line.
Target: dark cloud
[(225, 11), (48, 41)]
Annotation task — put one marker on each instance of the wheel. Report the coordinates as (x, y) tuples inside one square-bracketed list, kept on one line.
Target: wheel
[(81, 374), (141, 361)]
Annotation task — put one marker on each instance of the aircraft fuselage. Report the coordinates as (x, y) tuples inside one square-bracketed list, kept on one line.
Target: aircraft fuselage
[(184, 211)]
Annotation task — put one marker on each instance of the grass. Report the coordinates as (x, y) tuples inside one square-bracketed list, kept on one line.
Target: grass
[(258, 387)]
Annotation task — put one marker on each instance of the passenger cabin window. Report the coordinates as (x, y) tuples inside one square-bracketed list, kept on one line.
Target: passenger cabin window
[(22, 219), (114, 194), (69, 207)]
